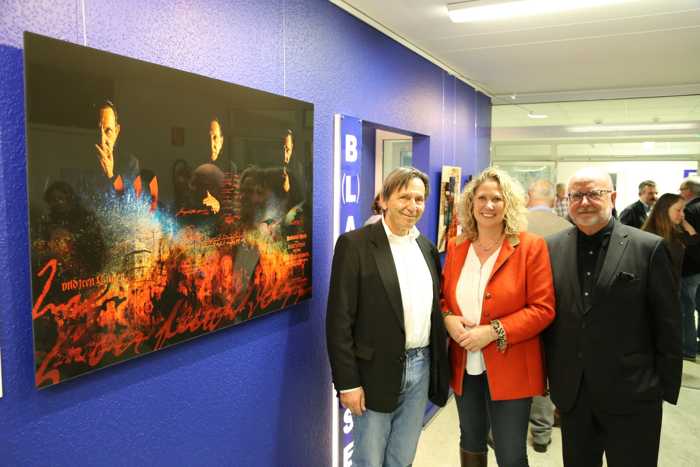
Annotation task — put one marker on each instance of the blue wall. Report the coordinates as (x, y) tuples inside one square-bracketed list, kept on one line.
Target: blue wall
[(258, 394)]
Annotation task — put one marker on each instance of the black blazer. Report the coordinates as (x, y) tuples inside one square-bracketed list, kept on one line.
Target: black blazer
[(627, 345), (364, 321), (634, 215)]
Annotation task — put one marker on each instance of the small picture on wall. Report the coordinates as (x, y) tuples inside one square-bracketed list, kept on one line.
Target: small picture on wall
[(163, 206), (449, 193)]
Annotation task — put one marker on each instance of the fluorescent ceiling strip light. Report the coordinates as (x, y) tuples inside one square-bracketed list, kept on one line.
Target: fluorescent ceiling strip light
[(537, 116), (494, 10), (641, 127)]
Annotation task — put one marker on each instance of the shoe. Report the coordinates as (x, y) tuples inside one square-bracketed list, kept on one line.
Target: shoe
[(541, 447)]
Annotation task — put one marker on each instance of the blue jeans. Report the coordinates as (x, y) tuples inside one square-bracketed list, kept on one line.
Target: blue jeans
[(507, 419), (689, 290), (390, 439)]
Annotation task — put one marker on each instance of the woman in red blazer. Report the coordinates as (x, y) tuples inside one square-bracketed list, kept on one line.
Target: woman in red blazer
[(497, 298)]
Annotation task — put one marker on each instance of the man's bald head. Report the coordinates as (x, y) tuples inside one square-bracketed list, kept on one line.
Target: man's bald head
[(590, 174)]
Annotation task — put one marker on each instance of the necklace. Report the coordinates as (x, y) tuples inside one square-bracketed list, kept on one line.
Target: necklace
[(487, 248)]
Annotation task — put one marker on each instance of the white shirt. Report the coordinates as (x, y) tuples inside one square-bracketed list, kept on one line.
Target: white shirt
[(416, 284), (470, 298)]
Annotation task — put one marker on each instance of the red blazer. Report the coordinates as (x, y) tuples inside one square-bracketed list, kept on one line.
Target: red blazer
[(520, 294)]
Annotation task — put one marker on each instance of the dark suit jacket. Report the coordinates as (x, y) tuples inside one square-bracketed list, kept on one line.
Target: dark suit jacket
[(634, 215), (365, 325), (627, 345)]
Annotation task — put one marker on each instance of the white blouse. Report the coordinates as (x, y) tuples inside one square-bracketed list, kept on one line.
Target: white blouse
[(470, 298)]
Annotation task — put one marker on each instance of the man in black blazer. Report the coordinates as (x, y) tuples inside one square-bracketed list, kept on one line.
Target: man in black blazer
[(385, 335), (636, 213), (614, 349)]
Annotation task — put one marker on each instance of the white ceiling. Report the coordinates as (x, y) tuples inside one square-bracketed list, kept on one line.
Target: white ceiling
[(634, 48)]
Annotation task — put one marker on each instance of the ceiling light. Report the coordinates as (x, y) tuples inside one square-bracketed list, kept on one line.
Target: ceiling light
[(641, 127), (491, 10), (513, 97), (537, 116), (648, 146)]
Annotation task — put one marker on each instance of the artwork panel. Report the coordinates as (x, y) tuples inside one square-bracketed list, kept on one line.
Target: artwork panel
[(448, 225), (163, 205)]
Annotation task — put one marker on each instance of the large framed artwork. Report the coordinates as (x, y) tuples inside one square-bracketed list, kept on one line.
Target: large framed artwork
[(163, 205), (449, 194)]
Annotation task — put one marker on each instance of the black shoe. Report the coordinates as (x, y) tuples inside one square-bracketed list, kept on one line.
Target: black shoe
[(541, 447)]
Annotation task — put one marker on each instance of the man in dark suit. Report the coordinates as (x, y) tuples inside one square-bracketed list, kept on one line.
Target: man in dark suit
[(613, 351), (636, 213), (385, 335)]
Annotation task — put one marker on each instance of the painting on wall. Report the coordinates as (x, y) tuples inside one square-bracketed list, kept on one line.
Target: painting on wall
[(163, 205), (449, 194)]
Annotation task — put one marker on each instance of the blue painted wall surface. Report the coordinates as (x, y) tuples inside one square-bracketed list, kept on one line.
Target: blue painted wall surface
[(258, 394)]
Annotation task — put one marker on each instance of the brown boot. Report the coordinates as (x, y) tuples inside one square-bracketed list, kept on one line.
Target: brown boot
[(472, 459)]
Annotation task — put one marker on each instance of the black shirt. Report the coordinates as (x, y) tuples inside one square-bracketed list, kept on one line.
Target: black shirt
[(591, 250)]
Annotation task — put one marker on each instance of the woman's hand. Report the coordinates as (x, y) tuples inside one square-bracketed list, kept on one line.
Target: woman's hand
[(478, 337), (457, 327), (688, 228)]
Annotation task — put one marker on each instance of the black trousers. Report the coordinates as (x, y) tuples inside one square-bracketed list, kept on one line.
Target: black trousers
[(628, 440)]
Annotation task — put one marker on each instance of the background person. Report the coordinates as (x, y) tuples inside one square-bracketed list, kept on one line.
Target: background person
[(543, 221), (498, 297), (690, 285), (667, 220), (636, 213), (561, 205)]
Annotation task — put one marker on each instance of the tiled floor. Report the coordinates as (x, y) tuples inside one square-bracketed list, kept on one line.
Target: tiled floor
[(680, 434)]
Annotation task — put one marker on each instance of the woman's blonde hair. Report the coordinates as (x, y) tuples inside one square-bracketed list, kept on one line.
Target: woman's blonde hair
[(514, 220)]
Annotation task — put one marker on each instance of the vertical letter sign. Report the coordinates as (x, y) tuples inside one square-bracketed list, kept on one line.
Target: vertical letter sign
[(347, 147)]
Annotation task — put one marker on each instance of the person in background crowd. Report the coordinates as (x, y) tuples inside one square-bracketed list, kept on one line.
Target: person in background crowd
[(667, 220), (690, 293), (541, 220), (636, 213), (614, 349), (561, 204), (385, 335), (498, 297)]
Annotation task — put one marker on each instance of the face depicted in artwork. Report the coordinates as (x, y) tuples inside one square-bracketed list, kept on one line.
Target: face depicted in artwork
[(591, 200), (648, 195), (108, 134), (109, 128), (405, 207), (288, 147), (675, 212), (216, 139), (489, 205)]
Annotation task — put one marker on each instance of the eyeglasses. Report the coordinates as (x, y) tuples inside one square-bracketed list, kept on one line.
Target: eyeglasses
[(593, 195)]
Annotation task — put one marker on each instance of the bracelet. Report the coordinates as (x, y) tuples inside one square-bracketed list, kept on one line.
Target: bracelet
[(501, 342)]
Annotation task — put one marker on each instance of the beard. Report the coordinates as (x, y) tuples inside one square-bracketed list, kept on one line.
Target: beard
[(595, 217)]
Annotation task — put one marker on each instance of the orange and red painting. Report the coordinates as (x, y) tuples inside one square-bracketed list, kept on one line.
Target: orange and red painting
[(163, 206)]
